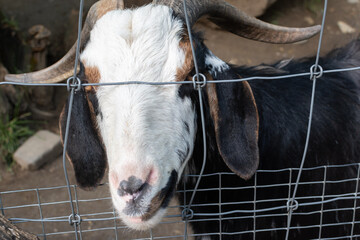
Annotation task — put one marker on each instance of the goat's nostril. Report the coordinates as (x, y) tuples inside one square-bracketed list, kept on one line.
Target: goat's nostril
[(133, 186)]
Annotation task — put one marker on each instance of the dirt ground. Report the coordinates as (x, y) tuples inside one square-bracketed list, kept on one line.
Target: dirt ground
[(228, 47)]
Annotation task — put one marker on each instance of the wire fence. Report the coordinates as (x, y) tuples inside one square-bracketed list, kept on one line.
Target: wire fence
[(33, 204)]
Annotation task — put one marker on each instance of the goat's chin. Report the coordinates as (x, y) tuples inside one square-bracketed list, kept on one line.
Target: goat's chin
[(144, 214), (141, 225)]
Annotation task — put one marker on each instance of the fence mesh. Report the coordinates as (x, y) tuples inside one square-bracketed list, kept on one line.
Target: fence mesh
[(85, 215), (31, 207)]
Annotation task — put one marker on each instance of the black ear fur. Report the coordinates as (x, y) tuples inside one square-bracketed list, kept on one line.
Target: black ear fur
[(84, 148), (234, 112)]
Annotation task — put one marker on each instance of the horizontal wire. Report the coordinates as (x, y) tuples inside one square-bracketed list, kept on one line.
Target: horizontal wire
[(281, 207), (179, 82), (206, 190), (215, 233), (193, 175)]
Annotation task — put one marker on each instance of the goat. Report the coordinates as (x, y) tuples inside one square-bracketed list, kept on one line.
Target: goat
[(150, 135)]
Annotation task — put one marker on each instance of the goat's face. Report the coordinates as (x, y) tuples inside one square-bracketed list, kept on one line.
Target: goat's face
[(146, 134), (147, 131)]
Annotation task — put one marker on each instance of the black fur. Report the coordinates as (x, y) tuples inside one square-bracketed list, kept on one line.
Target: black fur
[(169, 190), (236, 133), (283, 107), (84, 148)]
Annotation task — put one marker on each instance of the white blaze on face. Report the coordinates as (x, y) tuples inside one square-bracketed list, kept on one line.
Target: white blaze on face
[(144, 128)]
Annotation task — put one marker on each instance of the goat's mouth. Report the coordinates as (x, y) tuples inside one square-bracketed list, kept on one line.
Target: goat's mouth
[(140, 216)]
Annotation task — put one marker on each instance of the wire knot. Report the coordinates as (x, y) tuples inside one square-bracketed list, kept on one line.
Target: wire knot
[(292, 205), (197, 83), (74, 219), (316, 71), (73, 82), (187, 214)]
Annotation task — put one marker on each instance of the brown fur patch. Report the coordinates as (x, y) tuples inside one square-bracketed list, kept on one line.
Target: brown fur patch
[(251, 96), (213, 103), (92, 111), (183, 72), (106, 6), (92, 74), (154, 206)]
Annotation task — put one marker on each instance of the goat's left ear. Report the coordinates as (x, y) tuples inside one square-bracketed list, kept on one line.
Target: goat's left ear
[(234, 113), (84, 147)]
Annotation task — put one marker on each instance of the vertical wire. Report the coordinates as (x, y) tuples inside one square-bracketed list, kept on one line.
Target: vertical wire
[(204, 158), (41, 215), (289, 195), (77, 209), (355, 201), (151, 234), (191, 40), (71, 100), (290, 182), (186, 220), (68, 120), (309, 123), (204, 146), (321, 34), (303, 160), (201, 107), (322, 201), (220, 210), (254, 216), (1, 205), (201, 114), (115, 224), (81, 8)]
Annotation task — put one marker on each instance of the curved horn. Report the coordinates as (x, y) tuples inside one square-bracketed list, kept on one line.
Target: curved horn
[(233, 20), (64, 68)]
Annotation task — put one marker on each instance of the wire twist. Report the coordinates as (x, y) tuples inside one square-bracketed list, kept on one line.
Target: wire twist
[(73, 83)]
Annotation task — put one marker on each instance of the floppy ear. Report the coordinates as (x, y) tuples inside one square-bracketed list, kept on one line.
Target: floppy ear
[(234, 112), (84, 148)]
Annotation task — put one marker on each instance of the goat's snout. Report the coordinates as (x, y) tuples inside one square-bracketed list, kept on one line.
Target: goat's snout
[(132, 187), (134, 184)]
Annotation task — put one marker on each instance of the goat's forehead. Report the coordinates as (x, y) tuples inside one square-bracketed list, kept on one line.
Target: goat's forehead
[(136, 45)]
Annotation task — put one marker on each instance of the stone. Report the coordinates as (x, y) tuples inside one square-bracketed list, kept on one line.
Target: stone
[(309, 20), (43, 147), (345, 28)]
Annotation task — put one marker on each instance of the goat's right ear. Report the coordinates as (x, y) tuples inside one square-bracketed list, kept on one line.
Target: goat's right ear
[(84, 147)]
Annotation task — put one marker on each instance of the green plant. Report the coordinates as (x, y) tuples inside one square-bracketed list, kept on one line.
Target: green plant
[(314, 6), (8, 22), (13, 131)]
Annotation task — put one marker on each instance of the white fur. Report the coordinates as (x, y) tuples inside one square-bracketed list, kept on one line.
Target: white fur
[(142, 126), (217, 64)]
